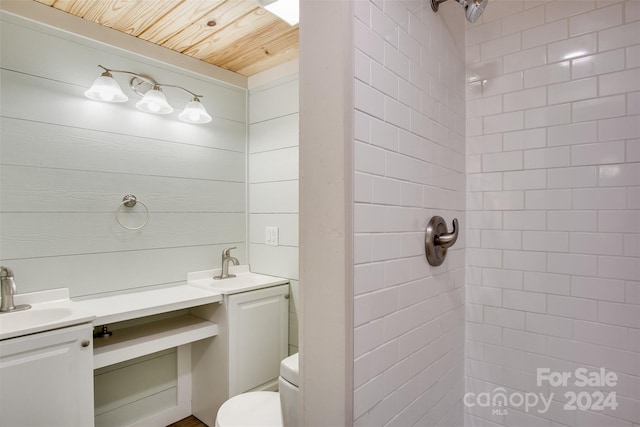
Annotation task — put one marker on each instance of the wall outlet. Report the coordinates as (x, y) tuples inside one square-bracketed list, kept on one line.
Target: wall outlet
[(271, 236)]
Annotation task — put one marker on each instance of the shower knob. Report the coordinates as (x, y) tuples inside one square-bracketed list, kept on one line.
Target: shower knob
[(437, 239)]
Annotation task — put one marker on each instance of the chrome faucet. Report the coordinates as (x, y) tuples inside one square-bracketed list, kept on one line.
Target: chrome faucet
[(226, 258), (7, 291)]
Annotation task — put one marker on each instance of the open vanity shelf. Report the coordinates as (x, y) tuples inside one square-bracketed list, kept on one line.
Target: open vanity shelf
[(135, 341)]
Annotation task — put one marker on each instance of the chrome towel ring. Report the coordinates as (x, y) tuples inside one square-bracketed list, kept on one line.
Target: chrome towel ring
[(130, 201), (437, 240)]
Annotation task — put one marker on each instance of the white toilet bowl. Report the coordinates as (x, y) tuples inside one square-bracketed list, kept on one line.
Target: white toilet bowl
[(265, 408)]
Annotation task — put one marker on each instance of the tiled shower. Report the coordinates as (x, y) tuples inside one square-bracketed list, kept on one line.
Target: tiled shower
[(551, 247)]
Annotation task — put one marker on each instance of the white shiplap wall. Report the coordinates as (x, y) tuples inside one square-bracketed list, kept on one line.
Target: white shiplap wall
[(67, 161), (273, 184)]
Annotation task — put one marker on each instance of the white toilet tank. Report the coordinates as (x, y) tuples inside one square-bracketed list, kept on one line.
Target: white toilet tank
[(288, 390)]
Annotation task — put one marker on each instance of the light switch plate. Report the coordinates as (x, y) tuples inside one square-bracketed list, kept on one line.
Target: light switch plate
[(271, 236)]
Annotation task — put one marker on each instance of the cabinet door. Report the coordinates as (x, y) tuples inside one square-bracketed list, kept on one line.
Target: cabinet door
[(46, 379), (258, 338)]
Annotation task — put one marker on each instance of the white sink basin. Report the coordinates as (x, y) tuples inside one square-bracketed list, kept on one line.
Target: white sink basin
[(42, 316), (243, 282)]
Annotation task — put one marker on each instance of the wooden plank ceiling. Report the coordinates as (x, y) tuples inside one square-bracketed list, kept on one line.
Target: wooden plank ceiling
[(233, 34)]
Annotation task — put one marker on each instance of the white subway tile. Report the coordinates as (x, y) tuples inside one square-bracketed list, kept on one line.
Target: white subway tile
[(525, 139), (633, 104), (484, 257), (573, 220), (547, 158), (620, 36), (362, 130), (573, 48), (525, 59), (502, 84), (575, 133), (483, 333), (484, 144), (362, 249), (620, 82), (484, 182), (598, 333), (544, 34), (579, 265), (556, 241), (596, 20), (368, 41), (632, 294), (618, 128), (386, 191), (505, 318), (632, 245), (485, 106), (524, 260), (619, 221), (547, 74), (598, 288), (384, 135), (574, 177), (384, 80), (503, 122), (483, 295), (531, 18), (619, 314), (500, 47), (368, 278), (599, 108), (573, 91), (547, 283), (484, 220), (627, 268), (600, 153), (384, 27), (511, 160), (483, 32), (549, 325), (522, 300), (548, 199), (633, 197), (362, 188), (499, 278), (547, 116), (631, 11), (502, 9), (398, 166), (566, 8), (369, 218), (369, 159), (525, 220), (397, 113), (526, 341), (369, 100), (503, 200), (596, 243), (525, 180), (498, 239), (633, 56), (600, 198), (362, 66), (575, 308), (397, 62), (524, 99), (601, 63)]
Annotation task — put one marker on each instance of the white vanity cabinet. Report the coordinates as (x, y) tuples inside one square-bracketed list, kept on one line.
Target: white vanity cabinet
[(245, 355), (46, 379), (258, 326)]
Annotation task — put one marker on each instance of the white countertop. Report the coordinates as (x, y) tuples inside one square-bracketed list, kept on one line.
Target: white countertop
[(54, 309), (116, 308)]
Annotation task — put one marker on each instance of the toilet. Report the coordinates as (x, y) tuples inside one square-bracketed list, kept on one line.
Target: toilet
[(265, 408)]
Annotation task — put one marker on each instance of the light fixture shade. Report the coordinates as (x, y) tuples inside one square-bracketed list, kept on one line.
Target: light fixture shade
[(105, 88), (154, 102), (287, 10), (194, 112)]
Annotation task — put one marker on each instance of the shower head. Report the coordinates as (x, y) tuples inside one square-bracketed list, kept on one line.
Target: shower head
[(472, 8)]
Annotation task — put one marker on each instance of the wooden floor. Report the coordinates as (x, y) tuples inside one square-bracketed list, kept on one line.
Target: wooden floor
[(189, 422)]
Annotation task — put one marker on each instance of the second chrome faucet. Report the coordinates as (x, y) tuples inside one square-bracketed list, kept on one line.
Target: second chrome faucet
[(226, 258)]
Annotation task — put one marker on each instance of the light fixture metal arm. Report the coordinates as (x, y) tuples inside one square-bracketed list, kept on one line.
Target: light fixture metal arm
[(131, 73)]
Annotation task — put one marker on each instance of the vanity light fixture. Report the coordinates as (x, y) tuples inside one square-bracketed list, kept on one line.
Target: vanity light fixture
[(106, 88), (287, 10)]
